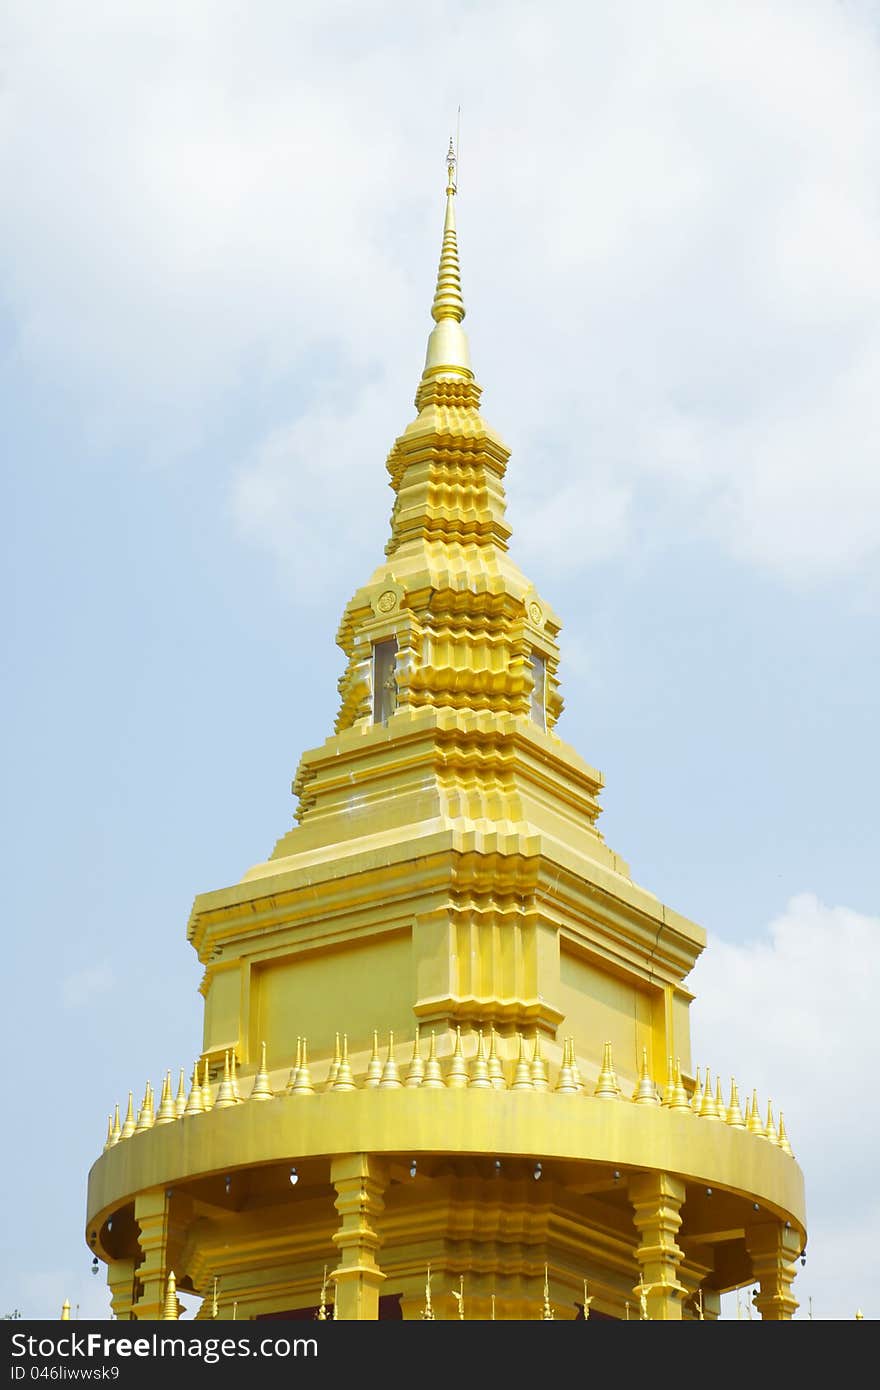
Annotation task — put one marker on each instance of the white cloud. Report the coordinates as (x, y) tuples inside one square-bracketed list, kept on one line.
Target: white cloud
[(670, 233), (82, 986), (792, 1014)]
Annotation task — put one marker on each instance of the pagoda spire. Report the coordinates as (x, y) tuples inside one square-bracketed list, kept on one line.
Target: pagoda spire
[(448, 350)]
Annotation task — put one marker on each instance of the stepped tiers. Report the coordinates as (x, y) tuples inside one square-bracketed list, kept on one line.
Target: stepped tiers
[(524, 1122)]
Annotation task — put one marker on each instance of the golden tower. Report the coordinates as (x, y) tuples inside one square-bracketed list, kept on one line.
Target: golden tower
[(445, 916)]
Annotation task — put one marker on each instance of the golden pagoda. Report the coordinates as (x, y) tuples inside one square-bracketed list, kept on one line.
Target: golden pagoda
[(445, 916)]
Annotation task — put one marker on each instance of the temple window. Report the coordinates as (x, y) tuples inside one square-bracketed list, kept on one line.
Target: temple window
[(384, 680)]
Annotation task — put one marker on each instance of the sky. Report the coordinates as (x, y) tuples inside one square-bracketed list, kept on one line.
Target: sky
[(219, 230)]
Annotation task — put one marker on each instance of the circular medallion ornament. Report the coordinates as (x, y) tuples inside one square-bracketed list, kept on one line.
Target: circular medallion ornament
[(387, 601), (535, 613)]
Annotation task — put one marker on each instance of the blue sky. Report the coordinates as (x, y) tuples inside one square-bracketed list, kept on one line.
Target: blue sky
[(219, 234)]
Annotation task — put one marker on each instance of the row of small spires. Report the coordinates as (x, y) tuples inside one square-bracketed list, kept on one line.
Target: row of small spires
[(486, 1072)]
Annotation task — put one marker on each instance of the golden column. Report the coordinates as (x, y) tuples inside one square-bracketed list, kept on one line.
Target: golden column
[(657, 1199), (360, 1180)]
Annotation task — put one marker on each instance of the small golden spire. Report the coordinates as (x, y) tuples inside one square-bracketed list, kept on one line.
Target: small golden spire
[(225, 1093), (390, 1072), (65, 1310), (128, 1124), (297, 1063), (261, 1090), (669, 1088), (678, 1099), (480, 1079), (565, 1082), (167, 1110), (180, 1099), (708, 1108), (374, 1067), (734, 1113), (588, 1298), (207, 1098), (415, 1072), (109, 1141), (753, 1120), (575, 1069), (645, 1092), (334, 1064), (146, 1116), (427, 1313), (547, 1314), (697, 1097), (770, 1125), (321, 1314), (344, 1079), (194, 1104), (433, 1078), (607, 1087), (233, 1076), (496, 1070), (458, 1295), (171, 1310), (302, 1082), (448, 350), (117, 1129), (457, 1076), (860, 1317), (538, 1068), (782, 1140), (522, 1076), (719, 1100)]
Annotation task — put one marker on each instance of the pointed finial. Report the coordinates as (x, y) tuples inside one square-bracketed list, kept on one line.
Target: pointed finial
[(522, 1076), (734, 1113), (344, 1078), (65, 1310), (575, 1069), (547, 1314), (677, 1099), (480, 1079), (146, 1117), (708, 1108), (321, 1314), (565, 1082), (390, 1072), (538, 1068), (109, 1141), (719, 1100), (116, 1131), (415, 1072), (448, 351), (180, 1098), (302, 1082), (496, 1070), (645, 1092), (297, 1063), (207, 1098), (697, 1097), (607, 1086), (167, 1108), (457, 1076), (225, 1094), (261, 1089), (770, 1125), (669, 1088), (194, 1104), (334, 1064), (427, 1313), (782, 1139), (588, 1298), (233, 1075), (171, 1310), (128, 1124), (433, 1078), (753, 1120), (374, 1067), (458, 1295)]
